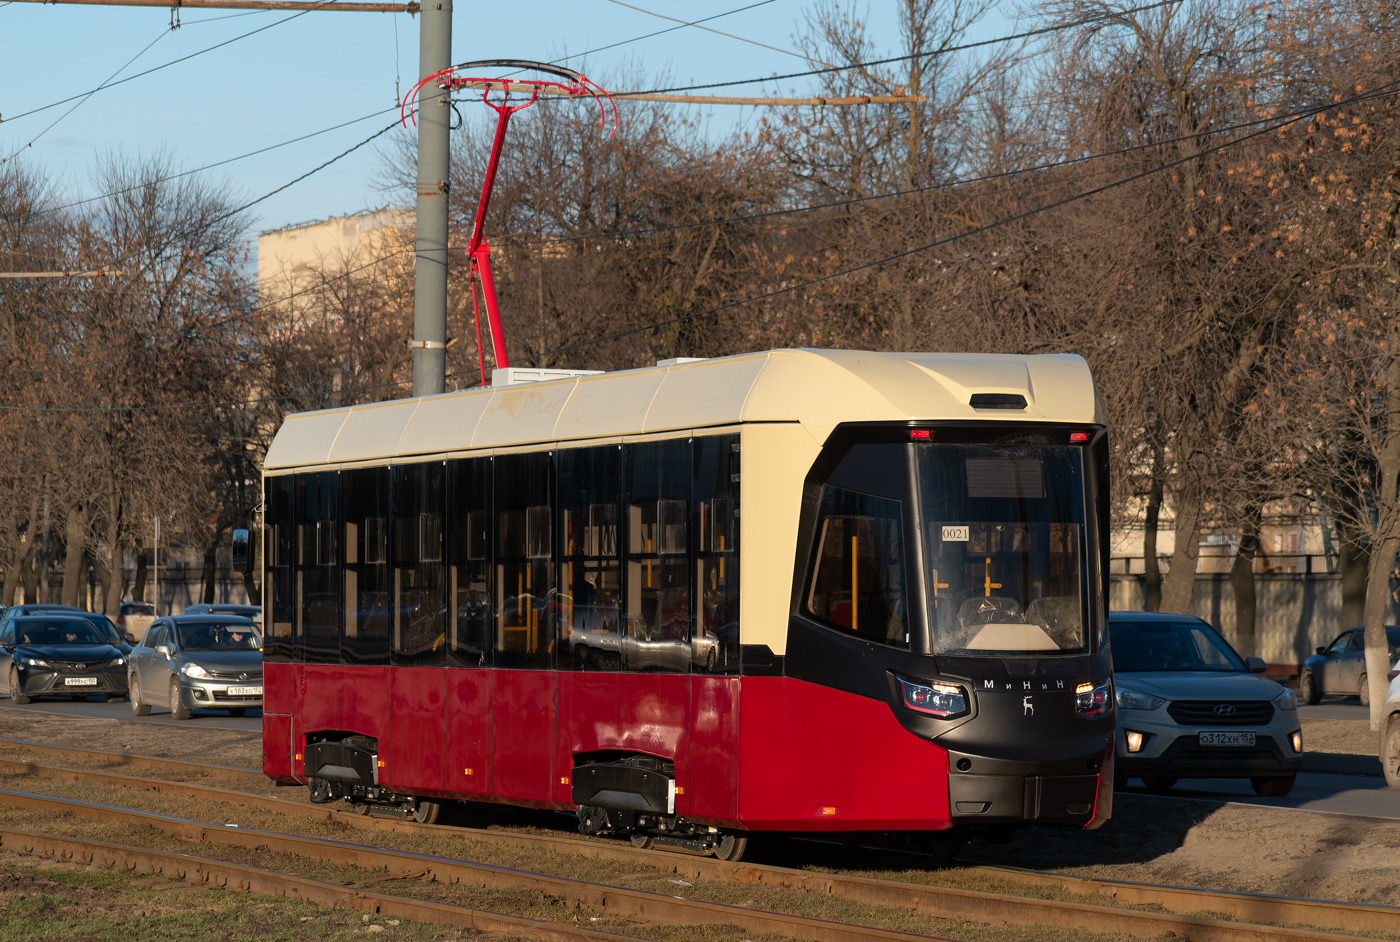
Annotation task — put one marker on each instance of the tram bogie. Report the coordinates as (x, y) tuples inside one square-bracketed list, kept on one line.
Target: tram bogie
[(531, 595)]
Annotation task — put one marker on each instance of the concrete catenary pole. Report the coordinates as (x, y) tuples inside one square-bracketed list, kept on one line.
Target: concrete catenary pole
[(430, 258)]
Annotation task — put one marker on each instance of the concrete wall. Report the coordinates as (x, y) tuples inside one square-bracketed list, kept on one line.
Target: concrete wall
[(1294, 614)]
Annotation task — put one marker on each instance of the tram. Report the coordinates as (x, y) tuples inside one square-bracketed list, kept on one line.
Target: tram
[(792, 591)]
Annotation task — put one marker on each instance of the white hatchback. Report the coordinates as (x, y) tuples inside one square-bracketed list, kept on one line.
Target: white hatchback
[(1190, 707)]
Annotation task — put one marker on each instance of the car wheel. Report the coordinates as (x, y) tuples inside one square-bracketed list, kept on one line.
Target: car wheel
[(710, 661), (1273, 786), (137, 707), (178, 710), (1363, 690), (1307, 689), (1390, 751), (1158, 783), (16, 688)]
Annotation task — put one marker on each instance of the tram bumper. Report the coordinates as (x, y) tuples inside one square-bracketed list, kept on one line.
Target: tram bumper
[(1077, 792)]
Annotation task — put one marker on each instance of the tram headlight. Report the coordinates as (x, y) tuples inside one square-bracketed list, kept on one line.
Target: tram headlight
[(941, 700), (1094, 699), (1130, 699)]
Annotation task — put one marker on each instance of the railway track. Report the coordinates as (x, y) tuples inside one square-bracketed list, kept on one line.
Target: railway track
[(1249, 916)]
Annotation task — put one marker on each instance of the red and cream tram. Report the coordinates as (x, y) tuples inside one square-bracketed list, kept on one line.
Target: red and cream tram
[(800, 590)]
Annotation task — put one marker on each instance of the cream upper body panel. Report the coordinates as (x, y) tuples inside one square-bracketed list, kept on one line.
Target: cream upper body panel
[(818, 389)]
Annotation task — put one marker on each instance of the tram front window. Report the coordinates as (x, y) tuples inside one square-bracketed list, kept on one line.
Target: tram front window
[(1004, 547)]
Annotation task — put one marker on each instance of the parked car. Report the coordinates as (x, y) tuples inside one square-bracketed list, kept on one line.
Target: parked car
[(133, 618), (207, 662), (219, 608), (59, 654), (1339, 670), (1190, 707), (1390, 730)]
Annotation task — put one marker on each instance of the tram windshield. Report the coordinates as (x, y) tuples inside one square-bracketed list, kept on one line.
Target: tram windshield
[(1004, 548)]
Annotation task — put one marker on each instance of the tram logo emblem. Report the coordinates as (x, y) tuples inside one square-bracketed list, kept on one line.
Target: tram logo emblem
[(1224, 709), (1027, 708)]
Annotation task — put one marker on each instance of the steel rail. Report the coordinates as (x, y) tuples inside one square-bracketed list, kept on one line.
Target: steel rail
[(657, 908), (220, 874), (942, 902), (134, 759)]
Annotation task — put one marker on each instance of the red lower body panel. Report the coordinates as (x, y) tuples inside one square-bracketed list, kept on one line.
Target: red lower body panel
[(415, 757), (468, 746), (815, 759), (523, 736)]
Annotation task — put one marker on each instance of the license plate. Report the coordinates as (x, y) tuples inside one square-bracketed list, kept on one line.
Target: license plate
[(1227, 739), (245, 691), (80, 681)]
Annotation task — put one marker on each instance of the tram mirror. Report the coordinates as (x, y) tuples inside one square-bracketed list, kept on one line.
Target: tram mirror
[(242, 556)]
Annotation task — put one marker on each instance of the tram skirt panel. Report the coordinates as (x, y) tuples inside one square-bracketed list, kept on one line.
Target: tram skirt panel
[(816, 759), (714, 749), (468, 745), (523, 736), (592, 719), (416, 762)]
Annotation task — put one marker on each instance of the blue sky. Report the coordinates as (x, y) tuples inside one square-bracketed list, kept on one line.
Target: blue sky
[(313, 71)]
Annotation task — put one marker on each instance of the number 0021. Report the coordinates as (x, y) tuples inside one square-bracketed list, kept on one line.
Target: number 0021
[(955, 534)]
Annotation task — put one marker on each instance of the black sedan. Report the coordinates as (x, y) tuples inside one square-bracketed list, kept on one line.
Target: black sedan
[(59, 655)]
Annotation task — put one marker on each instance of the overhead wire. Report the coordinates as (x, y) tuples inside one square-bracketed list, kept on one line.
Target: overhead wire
[(1380, 92)]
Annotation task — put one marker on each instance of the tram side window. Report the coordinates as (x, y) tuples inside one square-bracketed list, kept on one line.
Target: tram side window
[(365, 577), (281, 573), (589, 606), (470, 619), (856, 582), (420, 612), (316, 638), (715, 516), (657, 634), (525, 598)]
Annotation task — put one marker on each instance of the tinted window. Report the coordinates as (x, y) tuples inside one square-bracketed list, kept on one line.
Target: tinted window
[(278, 531), (656, 632), (215, 636), (365, 579), (856, 581), (420, 615), (524, 561), (590, 562), (1187, 645), (59, 633), (470, 617), (317, 634), (715, 521)]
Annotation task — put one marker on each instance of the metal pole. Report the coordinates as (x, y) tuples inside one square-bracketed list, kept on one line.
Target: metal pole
[(155, 559), (430, 266)]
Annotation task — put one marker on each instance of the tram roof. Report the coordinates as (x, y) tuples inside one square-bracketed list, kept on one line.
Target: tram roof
[(819, 389)]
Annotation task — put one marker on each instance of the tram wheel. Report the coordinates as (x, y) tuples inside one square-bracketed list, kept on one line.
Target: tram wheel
[(319, 790), (731, 847), (1158, 783), (360, 807), (426, 812), (137, 707), (942, 846), (1275, 786), (641, 841)]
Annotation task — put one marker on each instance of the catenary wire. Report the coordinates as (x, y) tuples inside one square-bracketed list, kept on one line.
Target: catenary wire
[(1380, 92), (132, 78)]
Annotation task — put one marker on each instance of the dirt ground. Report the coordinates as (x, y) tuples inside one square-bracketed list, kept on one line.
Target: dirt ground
[(1181, 841)]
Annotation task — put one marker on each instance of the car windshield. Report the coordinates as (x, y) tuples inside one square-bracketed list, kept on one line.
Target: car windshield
[(105, 627), (1005, 548), (71, 631), (138, 608), (1170, 646), (218, 637)]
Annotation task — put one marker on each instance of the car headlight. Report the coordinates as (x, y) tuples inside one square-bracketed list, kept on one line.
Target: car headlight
[(942, 700), (1129, 699), (33, 662), (1094, 699), (1286, 700), (195, 671)]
